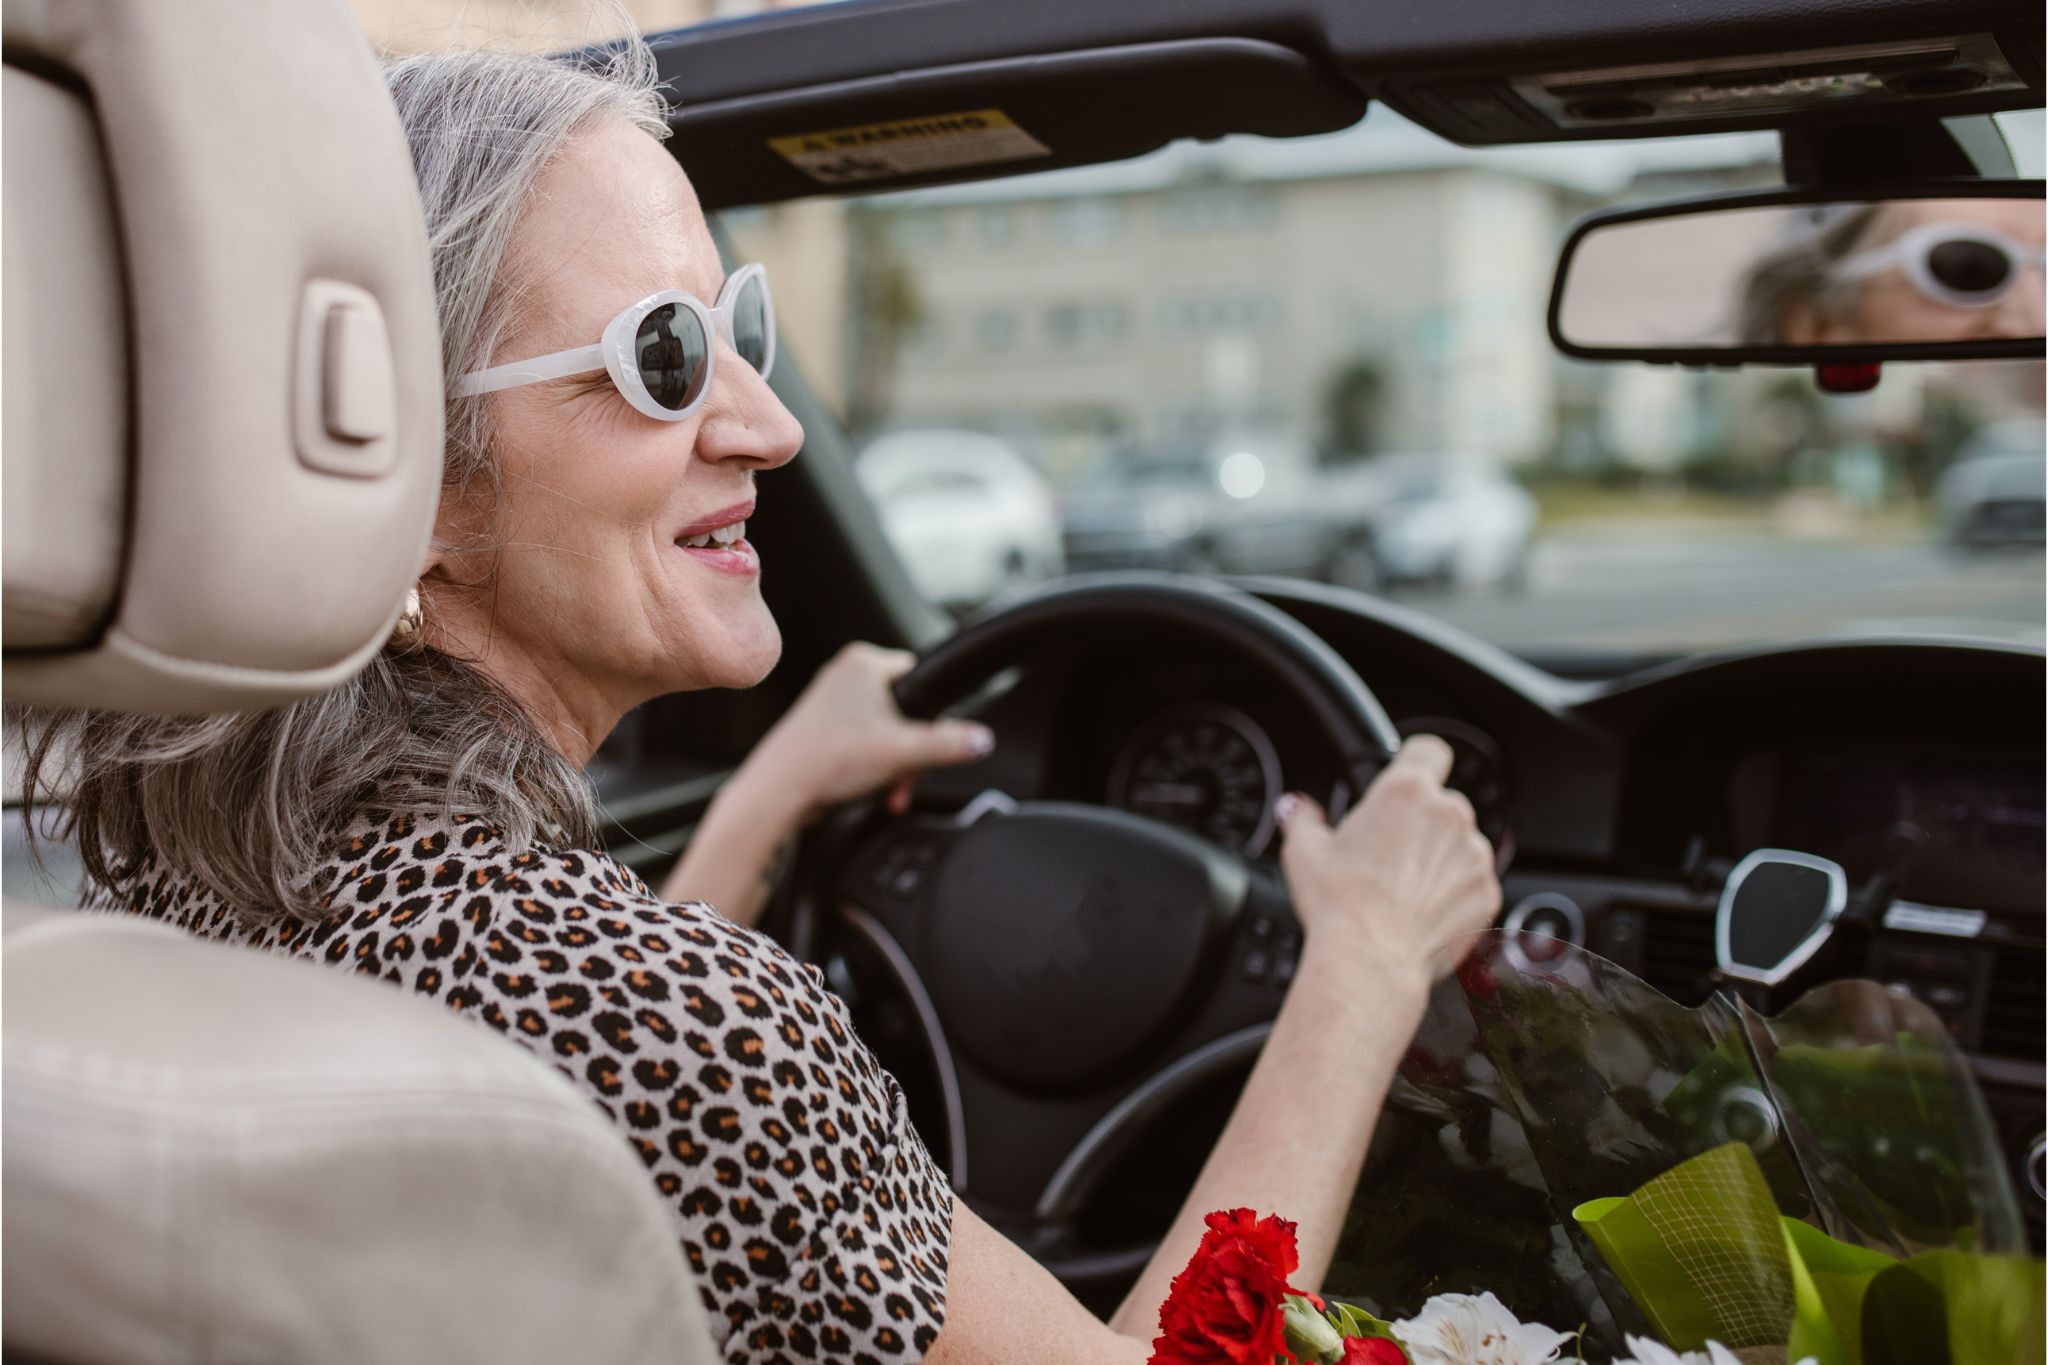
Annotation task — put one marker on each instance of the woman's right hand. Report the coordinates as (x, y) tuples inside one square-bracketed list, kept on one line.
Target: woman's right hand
[(1389, 898), (1404, 880)]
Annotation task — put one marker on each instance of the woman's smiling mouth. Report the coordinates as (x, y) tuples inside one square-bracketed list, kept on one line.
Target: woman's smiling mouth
[(719, 541)]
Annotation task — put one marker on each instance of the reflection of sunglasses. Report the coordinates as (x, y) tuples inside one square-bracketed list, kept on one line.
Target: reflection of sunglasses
[(1958, 264), (659, 352)]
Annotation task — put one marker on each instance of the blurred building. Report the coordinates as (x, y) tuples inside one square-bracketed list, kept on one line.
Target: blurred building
[(1376, 288)]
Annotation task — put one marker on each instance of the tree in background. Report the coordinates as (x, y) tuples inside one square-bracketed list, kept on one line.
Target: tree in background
[(1353, 403), (883, 307)]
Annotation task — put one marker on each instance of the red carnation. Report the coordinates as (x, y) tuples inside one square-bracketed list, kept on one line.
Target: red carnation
[(1475, 974), (1372, 1351), (1225, 1308)]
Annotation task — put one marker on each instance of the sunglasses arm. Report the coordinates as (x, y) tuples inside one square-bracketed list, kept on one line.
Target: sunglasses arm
[(1864, 264), (560, 365)]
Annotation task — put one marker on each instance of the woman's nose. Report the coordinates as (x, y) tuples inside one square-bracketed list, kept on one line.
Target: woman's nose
[(2021, 314), (743, 419)]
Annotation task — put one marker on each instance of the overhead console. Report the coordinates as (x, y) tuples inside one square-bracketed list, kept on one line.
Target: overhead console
[(1937, 76)]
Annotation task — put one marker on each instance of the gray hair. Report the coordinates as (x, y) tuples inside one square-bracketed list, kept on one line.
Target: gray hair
[(1799, 271), (252, 803)]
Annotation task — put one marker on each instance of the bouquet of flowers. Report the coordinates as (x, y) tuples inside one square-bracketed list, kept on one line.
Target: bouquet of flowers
[(1233, 1306), (1568, 1146)]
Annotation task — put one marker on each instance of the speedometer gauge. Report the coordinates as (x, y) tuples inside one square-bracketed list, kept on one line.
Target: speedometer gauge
[(1204, 768), (1479, 770)]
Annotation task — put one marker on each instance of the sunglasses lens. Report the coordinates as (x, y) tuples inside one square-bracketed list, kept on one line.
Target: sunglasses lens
[(672, 350), (1969, 267), (752, 327)]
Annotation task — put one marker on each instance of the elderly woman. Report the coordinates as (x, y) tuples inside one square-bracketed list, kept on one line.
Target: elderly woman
[(430, 821)]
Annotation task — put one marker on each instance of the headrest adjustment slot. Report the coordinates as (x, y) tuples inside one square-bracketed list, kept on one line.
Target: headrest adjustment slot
[(345, 413)]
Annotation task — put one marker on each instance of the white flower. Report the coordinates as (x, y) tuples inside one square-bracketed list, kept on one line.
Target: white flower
[(1464, 1329), (1643, 1351)]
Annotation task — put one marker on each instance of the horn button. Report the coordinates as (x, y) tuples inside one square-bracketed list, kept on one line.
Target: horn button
[(1065, 940)]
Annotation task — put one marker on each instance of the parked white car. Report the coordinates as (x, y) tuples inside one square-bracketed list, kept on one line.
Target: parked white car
[(1448, 520), (970, 516)]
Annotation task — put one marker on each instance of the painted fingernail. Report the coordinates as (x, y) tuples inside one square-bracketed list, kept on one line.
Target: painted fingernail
[(1286, 807), (980, 740)]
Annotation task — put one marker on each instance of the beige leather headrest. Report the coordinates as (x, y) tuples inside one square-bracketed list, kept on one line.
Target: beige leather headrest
[(223, 392), (215, 1154)]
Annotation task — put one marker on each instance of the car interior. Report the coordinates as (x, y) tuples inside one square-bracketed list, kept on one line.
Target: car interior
[(212, 1155)]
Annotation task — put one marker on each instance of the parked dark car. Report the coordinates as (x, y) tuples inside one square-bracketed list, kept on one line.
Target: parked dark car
[(1994, 493), (1248, 503)]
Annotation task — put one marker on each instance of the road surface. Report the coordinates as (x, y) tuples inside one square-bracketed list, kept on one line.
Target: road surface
[(1601, 592)]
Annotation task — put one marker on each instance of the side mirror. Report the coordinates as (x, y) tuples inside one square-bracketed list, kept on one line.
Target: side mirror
[(1777, 910), (1946, 270)]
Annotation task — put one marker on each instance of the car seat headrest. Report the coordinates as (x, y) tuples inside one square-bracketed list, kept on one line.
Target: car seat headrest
[(223, 399)]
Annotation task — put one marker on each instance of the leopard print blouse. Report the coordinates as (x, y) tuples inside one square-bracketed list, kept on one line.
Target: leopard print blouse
[(816, 1222)]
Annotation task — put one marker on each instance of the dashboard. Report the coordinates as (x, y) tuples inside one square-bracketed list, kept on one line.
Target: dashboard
[(1616, 808), (1215, 771)]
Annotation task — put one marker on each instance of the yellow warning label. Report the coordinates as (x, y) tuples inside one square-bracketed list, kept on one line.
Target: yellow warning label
[(909, 146)]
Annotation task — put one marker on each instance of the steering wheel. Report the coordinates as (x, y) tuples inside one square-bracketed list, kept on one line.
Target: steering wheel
[(1076, 968)]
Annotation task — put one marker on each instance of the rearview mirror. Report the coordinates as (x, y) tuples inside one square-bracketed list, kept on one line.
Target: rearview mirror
[(1947, 271)]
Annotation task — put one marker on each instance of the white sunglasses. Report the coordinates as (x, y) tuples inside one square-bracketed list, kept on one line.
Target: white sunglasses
[(1959, 264), (662, 351)]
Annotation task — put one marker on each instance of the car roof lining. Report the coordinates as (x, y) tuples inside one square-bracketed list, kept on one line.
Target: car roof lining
[(1093, 82)]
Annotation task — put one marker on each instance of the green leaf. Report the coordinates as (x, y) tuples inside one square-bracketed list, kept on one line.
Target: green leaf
[(1905, 1321), (1691, 1250), (1829, 1279), (1955, 1308), (1353, 1321), (1309, 1334)]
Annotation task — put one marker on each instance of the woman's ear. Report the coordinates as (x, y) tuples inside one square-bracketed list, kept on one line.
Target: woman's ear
[(434, 569), (437, 555), (455, 577), (461, 524)]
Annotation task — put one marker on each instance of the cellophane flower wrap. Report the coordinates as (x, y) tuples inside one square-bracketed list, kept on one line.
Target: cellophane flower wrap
[(1573, 1165), (1821, 1183)]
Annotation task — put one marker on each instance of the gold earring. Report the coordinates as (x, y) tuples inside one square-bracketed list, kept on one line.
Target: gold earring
[(406, 635)]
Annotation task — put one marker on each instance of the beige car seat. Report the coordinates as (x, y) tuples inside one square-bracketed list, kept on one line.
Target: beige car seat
[(222, 443)]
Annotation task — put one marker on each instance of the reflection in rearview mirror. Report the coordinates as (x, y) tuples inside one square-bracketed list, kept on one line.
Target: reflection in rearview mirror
[(1901, 272)]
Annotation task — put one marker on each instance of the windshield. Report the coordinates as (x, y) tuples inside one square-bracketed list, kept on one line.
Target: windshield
[(1326, 358)]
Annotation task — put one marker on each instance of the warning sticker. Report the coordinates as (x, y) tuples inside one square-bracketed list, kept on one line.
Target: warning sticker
[(910, 146)]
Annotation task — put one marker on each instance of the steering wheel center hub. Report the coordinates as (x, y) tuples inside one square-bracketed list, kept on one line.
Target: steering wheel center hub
[(1069, 937)]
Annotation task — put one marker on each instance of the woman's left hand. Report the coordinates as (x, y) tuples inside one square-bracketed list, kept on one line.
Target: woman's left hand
[(845, 738)]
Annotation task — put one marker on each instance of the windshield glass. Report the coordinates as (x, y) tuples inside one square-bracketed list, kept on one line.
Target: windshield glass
[(1326, 358)]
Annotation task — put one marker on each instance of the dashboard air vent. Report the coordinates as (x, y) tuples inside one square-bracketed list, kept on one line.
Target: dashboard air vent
[(1678, 954), (2014, 1016)]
